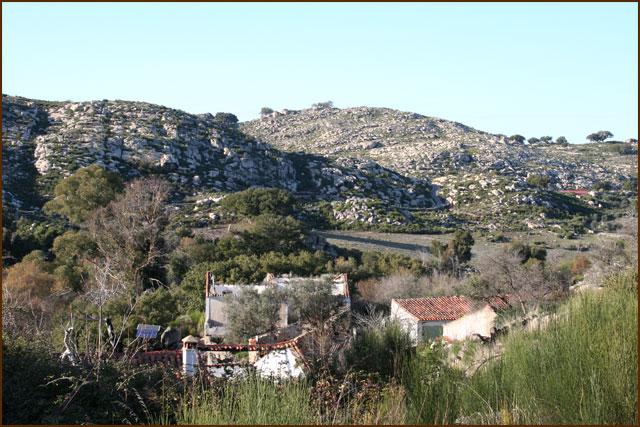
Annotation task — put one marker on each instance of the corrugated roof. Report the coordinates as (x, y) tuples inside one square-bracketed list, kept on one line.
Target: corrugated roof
[(437, 308)]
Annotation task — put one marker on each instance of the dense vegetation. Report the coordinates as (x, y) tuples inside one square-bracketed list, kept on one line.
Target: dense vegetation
[(120, 255)]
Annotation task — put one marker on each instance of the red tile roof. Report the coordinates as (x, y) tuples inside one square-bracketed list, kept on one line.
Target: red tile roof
[(437, 308)]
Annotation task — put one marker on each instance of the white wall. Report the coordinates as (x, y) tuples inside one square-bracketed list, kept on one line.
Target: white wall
[(477, 322), (408, 322)]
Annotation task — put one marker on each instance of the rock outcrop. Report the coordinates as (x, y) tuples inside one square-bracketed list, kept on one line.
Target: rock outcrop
[(43, 141)]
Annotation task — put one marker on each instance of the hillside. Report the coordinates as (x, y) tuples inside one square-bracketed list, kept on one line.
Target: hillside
[(482, 175), (43, 141), (357, 168)]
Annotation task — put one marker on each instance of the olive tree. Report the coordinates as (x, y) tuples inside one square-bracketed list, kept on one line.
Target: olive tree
[(78, 195), (599, 136)]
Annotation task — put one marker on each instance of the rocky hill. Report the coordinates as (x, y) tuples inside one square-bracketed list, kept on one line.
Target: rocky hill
[(352, 168), (43, 141), (486, 178)]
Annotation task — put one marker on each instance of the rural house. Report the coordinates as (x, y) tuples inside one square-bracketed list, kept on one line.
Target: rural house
[(451, 317)]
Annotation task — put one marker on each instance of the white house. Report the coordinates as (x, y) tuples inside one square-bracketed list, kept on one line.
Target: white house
[(452, 317)]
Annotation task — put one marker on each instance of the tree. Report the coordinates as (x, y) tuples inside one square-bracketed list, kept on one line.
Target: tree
[(226, 120), (533, 141), (265, 111), (456, 253), (537, 180), (257, 201), (546, 139), (506, 275), (312, 302), (156, 307), (460, 246), (73, 246), (77, 196), (599, 136), (322, 105), (130, 231), (561, 140), (517, 138), (273, 233), (251, 313)]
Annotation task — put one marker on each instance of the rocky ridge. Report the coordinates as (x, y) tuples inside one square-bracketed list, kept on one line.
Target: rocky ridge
[(43, 141), (482, 176)]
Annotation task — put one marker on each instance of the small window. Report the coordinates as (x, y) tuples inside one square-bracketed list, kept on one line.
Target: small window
[(430, 332)]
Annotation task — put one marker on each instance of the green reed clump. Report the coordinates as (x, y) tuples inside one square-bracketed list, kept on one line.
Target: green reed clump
[(582, 368), (249, 401)]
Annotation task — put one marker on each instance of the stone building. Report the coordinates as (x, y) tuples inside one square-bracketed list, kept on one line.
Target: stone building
[(450, 317)]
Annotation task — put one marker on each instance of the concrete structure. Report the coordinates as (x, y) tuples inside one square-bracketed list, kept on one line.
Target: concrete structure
[(189, 355), (216, 294), (453, 317)]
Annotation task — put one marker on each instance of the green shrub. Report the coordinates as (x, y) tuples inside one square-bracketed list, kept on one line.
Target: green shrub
[(84, 191), (536, 180), (384, 351), (258, 201)]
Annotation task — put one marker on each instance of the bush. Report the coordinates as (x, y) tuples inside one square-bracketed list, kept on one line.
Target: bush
[(384, 351), (84, 191), (540, 181), (258, 201), (37, 389)]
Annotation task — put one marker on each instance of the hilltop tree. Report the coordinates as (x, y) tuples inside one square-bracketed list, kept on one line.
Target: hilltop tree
[(599, 136), (546, 139), (322, 105), (264, 111), (517, 138), (533, 141), (226, 119), (77, 196), (562, 140)]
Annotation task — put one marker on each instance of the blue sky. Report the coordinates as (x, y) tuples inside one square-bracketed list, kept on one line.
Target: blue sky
[(534, 69)]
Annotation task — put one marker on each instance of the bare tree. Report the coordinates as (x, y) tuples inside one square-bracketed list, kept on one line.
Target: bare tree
[(506, 275), (129, 232)]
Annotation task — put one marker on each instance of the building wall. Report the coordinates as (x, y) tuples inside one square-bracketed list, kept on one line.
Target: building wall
[(408, 322), (215, 316), (477, 322)]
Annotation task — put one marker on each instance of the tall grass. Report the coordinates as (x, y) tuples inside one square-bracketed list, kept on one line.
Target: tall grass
[(581, 369), (249, 401), (260, 401), (432, 388)]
